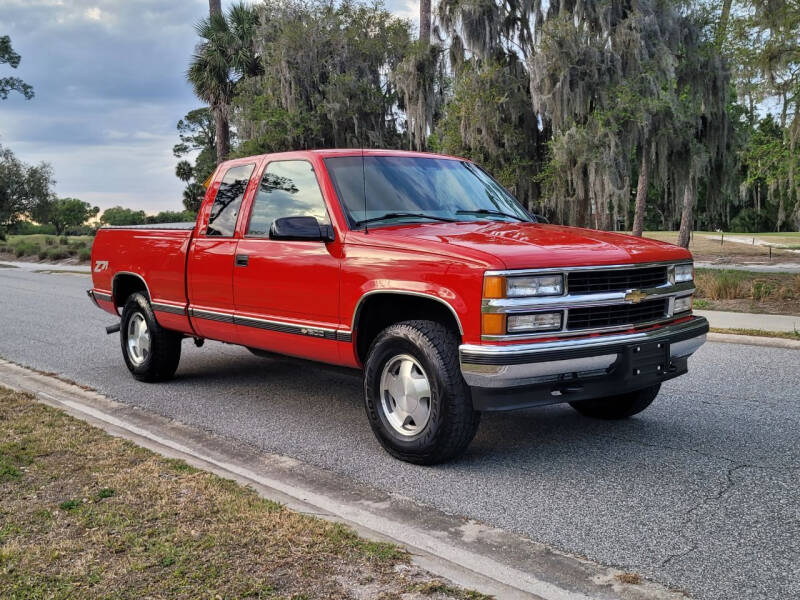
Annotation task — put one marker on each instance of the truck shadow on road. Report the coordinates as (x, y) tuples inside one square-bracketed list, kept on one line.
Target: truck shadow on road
[(319, 401)]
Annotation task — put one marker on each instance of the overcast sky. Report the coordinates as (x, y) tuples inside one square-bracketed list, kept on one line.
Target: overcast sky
[(109, 77)]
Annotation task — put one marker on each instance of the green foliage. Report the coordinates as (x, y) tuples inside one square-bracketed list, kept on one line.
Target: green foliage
[(64, 213), (224, 57), (323, 82), (122, 216), (489, 119), (170, 216), (12, 59), (193, 197), (22, 187), (196, 132)]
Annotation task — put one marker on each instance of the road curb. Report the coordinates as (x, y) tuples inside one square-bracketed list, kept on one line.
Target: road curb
[(752, 340), (468, 553)]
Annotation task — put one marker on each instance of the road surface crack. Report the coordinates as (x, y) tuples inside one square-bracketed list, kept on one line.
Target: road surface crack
[(677, 555)]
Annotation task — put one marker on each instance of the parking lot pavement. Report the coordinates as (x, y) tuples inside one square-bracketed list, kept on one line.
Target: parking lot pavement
[(700, 492)]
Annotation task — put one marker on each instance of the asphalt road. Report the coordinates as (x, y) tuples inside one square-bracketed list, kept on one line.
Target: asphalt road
[(701, 492)]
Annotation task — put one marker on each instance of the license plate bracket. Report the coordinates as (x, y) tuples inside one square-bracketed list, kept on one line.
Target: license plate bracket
[(650, 358)]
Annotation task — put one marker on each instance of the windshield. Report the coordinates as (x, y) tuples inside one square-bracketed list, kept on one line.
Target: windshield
[(417, 189)]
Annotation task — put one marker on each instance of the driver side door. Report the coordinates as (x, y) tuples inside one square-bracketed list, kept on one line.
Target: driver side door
[(286, 293)]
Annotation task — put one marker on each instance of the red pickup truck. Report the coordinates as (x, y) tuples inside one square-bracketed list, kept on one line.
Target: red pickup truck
[(419, 269)]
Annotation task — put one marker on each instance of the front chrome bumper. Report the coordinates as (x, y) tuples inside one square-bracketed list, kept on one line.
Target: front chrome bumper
[(508, 366)]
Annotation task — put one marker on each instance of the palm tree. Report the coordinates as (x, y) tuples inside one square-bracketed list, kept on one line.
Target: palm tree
[(193, 196), (184, 170), (221, 60)]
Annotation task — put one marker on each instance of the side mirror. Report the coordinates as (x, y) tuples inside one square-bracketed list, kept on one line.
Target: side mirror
[(300, 229), (540, 218)]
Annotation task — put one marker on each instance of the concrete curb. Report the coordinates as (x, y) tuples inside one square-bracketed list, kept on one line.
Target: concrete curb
[(753, 340), (468, 553)]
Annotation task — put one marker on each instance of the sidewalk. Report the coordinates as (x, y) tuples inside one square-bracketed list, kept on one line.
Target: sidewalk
[(721, 319), (84, 269)]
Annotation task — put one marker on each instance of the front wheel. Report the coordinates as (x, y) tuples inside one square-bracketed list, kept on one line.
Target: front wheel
[(417, 402), (151, 352), (618, 407)]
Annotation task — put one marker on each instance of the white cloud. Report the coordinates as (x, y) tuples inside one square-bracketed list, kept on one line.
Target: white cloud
[(109, 77)]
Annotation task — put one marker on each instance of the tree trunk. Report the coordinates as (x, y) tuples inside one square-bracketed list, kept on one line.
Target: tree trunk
[(641, 193), (214, 7), (223, 133), (686, 216), (425, 22), (722, 26)]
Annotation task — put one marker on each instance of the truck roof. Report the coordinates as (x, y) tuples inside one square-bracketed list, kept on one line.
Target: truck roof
[(330, 152)]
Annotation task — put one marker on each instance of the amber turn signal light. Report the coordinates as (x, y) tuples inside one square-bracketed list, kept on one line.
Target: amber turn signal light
[(494, 287), (493, 324)]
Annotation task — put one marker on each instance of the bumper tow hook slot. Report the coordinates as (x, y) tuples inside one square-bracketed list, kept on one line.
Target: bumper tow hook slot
[(567, 389), (112, 328)]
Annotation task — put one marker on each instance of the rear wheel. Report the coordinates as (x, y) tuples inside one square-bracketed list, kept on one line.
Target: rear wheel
[(151, 352), (417, 403), (618, 407)]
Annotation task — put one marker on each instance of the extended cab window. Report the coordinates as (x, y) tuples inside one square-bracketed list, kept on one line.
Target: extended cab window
[(222, 220), (288, 189)]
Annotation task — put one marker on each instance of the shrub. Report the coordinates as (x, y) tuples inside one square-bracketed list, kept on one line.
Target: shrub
[(19, 252), (84, 254), (57, 254), (78, 245), (42, 254), (64, 240), (719, 285), (761, 290), (50, 241)]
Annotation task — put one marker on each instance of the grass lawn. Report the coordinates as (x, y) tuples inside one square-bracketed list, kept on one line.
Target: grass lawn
[(84, 514), (49, 248), (706, 246), (786, 335)]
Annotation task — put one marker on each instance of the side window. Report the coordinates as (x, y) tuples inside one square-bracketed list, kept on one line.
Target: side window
[(222, 220), (288, 189)]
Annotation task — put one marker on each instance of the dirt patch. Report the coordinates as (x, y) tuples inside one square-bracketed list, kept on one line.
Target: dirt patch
[(83, 514)]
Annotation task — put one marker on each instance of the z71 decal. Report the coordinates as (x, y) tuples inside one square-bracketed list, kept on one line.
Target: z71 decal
[(100, 265)]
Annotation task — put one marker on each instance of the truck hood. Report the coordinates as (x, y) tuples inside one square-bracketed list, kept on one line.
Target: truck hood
[(531, 245)]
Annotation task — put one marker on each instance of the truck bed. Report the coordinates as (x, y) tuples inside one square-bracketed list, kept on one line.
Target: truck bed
[(154, 253)]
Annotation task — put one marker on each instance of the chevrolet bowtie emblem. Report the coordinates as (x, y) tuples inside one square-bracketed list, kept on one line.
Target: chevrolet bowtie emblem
[(635, 296)]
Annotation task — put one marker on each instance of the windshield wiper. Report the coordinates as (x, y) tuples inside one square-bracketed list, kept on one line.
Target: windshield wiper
[(398, 215), (486, 211)]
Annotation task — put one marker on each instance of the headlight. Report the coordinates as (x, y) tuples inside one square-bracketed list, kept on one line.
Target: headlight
[(534, 322), (539, 285), (683, 304), (684, 273)]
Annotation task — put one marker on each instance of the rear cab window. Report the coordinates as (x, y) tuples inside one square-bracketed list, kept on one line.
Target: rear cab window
[(228, 201)]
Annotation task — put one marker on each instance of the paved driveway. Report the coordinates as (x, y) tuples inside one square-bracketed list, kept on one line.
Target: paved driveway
[(701, 491)]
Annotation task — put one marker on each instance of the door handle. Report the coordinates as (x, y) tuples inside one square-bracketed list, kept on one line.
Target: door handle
[(242, 260)]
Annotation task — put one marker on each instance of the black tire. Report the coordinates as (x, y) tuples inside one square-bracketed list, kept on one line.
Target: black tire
[(452, 422), (618, 407), (161, 362)]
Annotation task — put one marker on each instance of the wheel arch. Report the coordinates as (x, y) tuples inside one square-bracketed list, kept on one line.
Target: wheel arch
[(126, 283), (377, 309)]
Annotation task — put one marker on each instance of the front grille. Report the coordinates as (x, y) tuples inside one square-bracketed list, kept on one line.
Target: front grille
[(618, 314), (615, 280)]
